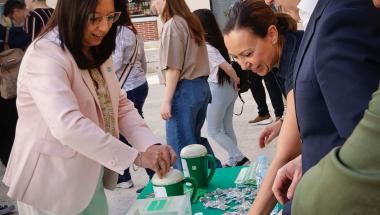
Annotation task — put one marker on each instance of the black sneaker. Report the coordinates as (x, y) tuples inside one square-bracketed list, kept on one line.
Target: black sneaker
[(140, 190), (6, 209), (243, 162)]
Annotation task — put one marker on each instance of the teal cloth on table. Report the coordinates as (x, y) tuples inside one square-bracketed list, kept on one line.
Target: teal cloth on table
[(224, 178)]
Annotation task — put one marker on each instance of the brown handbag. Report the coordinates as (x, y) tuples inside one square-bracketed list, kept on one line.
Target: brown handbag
[(10, 61)]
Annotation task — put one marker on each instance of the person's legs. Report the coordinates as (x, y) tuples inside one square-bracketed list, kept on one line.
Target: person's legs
[(274, 94), (138, 97), (258, 93), (201, 117), (125, 180), (8, 115), (217, 119), (7, 209), (229, 129), (189, 107)]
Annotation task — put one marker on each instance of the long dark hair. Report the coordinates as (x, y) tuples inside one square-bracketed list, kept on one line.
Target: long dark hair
[(71, 17), (214, 37), (180, 8), (125, 18), (257, 16)]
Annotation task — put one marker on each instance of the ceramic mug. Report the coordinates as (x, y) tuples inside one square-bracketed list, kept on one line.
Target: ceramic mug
[(172, 185), (195, 162)]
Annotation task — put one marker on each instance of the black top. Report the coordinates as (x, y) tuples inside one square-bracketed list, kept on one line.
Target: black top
[(36, 20), (284, 74), (17, 38)]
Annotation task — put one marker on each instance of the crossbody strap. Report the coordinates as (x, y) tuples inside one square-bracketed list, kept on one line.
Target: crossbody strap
[(6, 39), (128, 67), (242, 105)]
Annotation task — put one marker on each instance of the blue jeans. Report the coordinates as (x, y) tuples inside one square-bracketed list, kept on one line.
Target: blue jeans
[(189, 107), (219, 120), (137, 96)]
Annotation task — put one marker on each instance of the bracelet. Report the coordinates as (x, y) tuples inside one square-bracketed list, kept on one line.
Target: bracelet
[(138, 163)]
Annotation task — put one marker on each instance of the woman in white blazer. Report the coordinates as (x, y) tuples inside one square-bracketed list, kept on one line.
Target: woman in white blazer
[(71, 110)]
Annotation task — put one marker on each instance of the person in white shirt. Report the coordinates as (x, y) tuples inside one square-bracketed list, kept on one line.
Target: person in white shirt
[(306, 8), (224, 84)]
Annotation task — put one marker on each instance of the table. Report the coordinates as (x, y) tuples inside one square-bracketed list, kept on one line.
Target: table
[(223, 178)]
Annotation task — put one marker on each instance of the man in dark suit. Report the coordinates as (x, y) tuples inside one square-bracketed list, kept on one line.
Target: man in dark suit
[(337, 70)]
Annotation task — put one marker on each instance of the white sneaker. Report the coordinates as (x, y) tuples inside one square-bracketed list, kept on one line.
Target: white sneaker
[(125, 185)]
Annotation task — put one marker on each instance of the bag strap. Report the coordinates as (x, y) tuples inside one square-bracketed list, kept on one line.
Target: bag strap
[(242, 106), (128, 67), (6, 39)]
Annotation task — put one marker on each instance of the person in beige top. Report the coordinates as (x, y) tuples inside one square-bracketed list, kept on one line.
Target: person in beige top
[(184, 71)]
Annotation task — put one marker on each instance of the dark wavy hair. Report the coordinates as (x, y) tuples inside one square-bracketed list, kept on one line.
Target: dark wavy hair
[(125, 18), (257, 16), (71, 17), (10, 5), (214, 37)]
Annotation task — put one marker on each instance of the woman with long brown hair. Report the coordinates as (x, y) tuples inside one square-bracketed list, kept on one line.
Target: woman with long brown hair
[(184, 71)]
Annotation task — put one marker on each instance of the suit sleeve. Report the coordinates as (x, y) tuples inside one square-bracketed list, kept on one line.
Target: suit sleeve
[(48, 75), (347, 63)]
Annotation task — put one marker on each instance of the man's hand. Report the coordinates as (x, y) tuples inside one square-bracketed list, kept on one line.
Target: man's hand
[(158, 158), (287, 179), (269, 133)]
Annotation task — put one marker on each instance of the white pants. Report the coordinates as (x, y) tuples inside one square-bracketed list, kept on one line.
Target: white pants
[(219, 120)]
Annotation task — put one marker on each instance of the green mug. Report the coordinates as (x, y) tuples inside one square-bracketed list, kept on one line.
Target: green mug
[(195, 161), (172, 185)]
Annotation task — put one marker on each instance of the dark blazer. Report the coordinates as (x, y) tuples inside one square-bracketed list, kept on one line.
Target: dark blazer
[(351, 171), (336, 71)]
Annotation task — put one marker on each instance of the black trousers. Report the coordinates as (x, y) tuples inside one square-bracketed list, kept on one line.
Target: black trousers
[(8, 120), (258, 93)]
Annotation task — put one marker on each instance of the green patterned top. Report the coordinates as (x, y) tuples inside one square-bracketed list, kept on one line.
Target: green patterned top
[(104, 100)]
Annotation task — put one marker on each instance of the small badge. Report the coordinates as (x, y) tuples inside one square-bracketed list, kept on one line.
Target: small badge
[(109, 69)]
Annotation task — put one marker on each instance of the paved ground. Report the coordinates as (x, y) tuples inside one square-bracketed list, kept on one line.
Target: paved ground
[(121, 199)]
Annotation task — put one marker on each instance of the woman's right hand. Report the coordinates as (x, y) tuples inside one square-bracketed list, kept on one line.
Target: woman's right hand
[(166, 110), (269, 133), (237, 84), (158, 158)]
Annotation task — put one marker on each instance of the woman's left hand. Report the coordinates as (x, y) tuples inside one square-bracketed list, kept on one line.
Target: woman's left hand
[(166, 109)]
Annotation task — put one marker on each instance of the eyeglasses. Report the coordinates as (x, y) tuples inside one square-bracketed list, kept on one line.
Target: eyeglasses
[(96, 18)]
